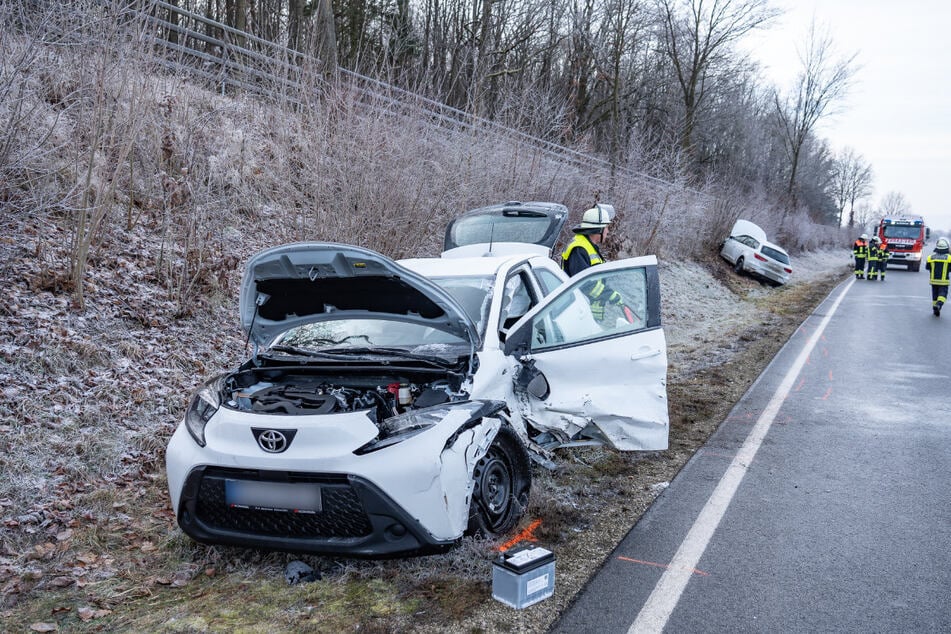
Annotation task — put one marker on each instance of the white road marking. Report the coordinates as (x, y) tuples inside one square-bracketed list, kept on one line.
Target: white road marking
[(666, 594)]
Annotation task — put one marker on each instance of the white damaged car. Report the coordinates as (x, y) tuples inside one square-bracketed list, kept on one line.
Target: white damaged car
[(391, 407)]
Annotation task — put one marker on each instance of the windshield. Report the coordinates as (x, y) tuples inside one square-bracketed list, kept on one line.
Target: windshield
[(474, 294), (899, 231), (351, 334)]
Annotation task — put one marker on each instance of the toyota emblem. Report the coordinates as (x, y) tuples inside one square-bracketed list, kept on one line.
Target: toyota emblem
[(273, 440)]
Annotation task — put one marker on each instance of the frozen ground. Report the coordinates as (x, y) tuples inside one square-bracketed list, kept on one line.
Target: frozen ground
[(705, 306)]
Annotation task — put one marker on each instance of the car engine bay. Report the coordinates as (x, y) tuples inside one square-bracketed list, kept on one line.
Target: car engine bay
[(299, 392)]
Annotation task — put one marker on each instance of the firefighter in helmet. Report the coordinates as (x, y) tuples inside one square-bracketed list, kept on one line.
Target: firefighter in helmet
[(939, 268), (873, 258), (860, 255), (583, 251), (883, 254)]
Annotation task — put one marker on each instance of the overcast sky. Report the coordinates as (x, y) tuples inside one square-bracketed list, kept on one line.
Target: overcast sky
[(897, 115)]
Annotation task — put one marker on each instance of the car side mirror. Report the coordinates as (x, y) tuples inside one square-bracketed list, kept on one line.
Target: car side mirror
[(530, 379), (538, 387)]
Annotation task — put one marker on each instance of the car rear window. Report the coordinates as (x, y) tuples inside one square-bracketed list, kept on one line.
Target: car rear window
[(779, 256), (488, 229)]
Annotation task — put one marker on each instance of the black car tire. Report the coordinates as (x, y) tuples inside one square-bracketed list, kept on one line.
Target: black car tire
[(503, 478), (738, 266)]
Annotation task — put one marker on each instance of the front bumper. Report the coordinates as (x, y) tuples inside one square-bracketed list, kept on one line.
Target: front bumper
[(408, 498), (905, 256), (357, 518)]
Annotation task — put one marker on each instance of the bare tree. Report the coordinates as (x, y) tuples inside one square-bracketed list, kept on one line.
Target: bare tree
[(851, 181), (698, 36), (823, 80), (894, 203), (621, 34), (864, 215)]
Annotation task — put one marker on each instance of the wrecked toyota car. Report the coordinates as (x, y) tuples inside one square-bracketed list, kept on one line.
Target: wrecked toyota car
[(389, 408)]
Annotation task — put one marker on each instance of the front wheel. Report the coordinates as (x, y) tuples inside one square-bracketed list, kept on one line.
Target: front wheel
[(914, 268), (503, 478)]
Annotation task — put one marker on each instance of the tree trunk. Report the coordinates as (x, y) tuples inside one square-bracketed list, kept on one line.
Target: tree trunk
[(326, 37), (295, 24)]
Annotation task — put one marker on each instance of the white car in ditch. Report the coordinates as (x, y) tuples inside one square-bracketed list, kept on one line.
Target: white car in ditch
[(391, 407), (748, 250)]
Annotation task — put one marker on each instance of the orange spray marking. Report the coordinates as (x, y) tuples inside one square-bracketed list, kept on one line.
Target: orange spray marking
[(525, 535), (826, 395), (657, 565), (799, 386)]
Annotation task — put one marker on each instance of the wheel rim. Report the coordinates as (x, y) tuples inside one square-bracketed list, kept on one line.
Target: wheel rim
[(494, 487)]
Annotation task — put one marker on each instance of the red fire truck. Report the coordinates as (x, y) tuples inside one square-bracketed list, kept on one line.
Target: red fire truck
[(905, 235)]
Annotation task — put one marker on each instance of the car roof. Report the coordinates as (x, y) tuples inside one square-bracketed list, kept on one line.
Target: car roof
[(487, 266)]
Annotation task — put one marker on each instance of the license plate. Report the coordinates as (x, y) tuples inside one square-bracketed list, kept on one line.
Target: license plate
[(273, 496)]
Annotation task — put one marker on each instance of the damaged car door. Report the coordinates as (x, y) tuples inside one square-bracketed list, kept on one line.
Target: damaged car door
[(593, 369)]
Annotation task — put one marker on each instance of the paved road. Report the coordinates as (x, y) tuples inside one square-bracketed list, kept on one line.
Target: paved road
[(823, 503)]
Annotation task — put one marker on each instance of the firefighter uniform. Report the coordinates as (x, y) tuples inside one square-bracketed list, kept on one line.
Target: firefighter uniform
[(883, 254), (873, 259), (939, 267), (580, 254), (860, 254)]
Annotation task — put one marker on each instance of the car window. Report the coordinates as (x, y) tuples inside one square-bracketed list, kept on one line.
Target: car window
[(779, 256), (501, 228), (582, 314), (474, 294), (547, 280), (517, 299), (342, 334)]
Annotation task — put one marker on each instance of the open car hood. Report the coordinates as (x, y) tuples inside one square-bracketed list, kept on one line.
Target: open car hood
[(747, 228), (307, 282), (502, 225)]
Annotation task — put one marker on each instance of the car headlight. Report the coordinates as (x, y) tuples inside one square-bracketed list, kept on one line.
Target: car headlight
[(398, 428), (458, 416), (203, 406)]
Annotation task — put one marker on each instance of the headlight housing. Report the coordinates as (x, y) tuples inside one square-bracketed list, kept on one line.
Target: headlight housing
[(398, 428), (457, 416), (203, 406)]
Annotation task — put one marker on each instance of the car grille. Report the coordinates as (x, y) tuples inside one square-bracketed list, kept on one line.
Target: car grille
[(342, 513)]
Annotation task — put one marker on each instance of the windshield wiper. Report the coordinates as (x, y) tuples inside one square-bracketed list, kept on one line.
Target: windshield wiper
[(401, 352), (300, 352), (314, 341), (290, 350)]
